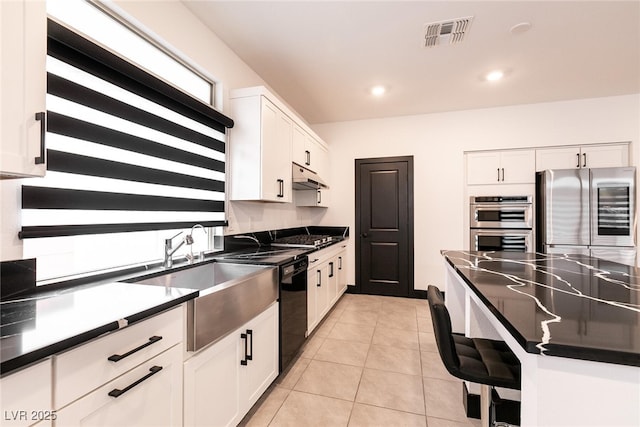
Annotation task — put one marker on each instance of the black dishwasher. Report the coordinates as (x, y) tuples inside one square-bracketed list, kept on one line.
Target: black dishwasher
[(293, 309)]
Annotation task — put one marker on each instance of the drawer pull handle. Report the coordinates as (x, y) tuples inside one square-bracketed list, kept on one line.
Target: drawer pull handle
[(248, 352), (116, 392), (42, 118), (250, 334), (119, 357)]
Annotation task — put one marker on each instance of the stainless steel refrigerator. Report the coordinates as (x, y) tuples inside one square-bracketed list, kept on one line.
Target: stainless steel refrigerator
[(587, 211)]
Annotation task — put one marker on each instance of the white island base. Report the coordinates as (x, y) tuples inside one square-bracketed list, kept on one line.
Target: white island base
[(556, 391)]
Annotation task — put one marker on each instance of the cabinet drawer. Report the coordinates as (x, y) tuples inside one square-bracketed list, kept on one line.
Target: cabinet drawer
[(149, 395), (82, 369)]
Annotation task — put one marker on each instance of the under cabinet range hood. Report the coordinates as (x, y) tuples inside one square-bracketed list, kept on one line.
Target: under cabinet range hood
[(304, 179)]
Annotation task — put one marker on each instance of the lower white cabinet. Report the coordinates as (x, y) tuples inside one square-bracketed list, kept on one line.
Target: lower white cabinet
[(148, 395), (326, 282), (25, 396), (223, 381), (87, 367)]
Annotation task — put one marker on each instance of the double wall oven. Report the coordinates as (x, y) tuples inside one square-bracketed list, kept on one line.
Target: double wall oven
[(501, 223)]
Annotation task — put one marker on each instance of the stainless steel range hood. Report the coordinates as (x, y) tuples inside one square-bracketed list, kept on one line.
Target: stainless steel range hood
[(304, 179)]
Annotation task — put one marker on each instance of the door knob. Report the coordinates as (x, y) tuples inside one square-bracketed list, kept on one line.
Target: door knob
[(365, 235)]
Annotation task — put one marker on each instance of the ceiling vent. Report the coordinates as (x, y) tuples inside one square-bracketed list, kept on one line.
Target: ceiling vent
[(451, 31)]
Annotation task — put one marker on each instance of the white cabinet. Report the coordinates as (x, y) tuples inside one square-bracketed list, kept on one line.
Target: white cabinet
[(91, 365), (223, 381), (148, 395), (342, 270), (260, 151), (309, 152), (586, 156), (128, 377), (212, 384), (501, 167), (25, 396), (23, 86), (326, 282), (312, 198)]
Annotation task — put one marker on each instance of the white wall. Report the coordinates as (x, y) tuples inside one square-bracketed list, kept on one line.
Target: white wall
[(437, 142)]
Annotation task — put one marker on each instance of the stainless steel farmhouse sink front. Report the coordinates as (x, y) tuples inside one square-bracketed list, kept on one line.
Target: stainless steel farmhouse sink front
[(230, 295)]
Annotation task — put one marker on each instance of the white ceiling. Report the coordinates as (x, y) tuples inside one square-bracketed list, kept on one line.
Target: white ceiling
[(322, 57)]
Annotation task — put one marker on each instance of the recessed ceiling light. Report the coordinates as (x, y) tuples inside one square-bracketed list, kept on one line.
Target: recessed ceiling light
[(494, 76), (378, 90)]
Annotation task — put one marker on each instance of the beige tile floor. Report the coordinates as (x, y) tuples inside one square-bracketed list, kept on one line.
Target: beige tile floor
[(372, 362)]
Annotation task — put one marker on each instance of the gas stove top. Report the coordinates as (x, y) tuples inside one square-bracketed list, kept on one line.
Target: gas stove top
[(303, 241), (264, 255)]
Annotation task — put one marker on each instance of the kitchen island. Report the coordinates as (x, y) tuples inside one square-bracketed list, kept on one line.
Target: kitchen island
[(573, 321)]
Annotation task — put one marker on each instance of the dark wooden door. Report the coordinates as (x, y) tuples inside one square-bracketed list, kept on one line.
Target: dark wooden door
[(384, 226)]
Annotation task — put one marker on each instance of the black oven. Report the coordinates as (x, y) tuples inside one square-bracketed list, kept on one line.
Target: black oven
[(293, 309)]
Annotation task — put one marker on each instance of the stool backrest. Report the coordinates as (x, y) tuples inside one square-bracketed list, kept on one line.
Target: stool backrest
[(442, 329)]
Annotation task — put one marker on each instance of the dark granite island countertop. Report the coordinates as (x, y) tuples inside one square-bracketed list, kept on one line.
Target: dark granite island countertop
[(572, 306), (36, 327), (572, 321)]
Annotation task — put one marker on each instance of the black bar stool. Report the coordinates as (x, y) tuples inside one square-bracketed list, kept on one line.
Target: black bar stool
[(487, 362)]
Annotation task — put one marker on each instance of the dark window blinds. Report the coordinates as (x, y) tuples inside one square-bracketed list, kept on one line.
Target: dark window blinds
[(126, 151)]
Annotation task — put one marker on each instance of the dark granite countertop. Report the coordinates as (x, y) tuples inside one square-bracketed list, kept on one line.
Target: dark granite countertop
[(572, 306), (41, 325)]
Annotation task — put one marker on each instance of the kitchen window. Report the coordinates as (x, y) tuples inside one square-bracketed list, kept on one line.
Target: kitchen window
[(135, 152)]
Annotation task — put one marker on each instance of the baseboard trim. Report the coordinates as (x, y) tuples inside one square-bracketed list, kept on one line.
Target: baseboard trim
[(415, 293)]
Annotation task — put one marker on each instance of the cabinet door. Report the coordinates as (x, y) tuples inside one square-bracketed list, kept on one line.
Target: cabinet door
[(332, 282), (212, 385), (605, 156), (518, 167), (23, 88), (558, 158), (323, 285), (149, 397), (318, 158), (262, 369), (312, 296), (26, 396), (300, 153), (277, 133), (312, 198), (483, 168), (342, 272)]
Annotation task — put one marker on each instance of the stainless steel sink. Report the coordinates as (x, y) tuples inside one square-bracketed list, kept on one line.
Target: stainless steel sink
[(230, 295)]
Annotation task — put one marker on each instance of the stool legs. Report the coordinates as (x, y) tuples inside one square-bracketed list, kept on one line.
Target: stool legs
[(485, 404)]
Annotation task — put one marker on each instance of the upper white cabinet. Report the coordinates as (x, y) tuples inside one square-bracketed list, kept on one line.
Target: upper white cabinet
[(309, 152), (260, 152), (586, 156), (501, 167), (312, 198), (23, 87)]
